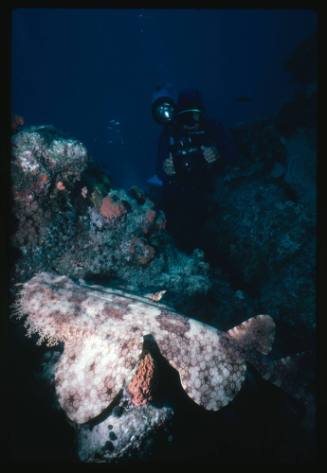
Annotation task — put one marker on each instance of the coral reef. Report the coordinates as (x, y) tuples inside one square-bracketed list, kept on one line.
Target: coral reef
[(290, 293), (301, 165), (259, 146), (127, 434), (266, 244), (69, 221), (263, 232), (111, 210), (254, 221), (45, 167)]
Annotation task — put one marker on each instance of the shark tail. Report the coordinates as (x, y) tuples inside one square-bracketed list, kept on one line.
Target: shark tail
[(255, 334), (293, 373)]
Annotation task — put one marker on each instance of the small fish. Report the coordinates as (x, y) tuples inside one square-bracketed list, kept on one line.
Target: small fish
[(102, 330), (156, 296)]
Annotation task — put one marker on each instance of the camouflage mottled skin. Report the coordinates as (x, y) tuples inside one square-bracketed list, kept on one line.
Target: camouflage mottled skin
[(103, 332)]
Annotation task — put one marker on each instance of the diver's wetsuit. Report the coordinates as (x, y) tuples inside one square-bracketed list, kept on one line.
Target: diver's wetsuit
[(185, 195)]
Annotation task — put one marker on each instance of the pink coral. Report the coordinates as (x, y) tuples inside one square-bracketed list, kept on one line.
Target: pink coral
[(110, 209), (60, 186), (140, 388), (150, 217)]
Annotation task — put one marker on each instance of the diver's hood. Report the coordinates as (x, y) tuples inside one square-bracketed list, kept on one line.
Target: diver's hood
[(189, 99), (164, 91), (189, 107), (186, 111)]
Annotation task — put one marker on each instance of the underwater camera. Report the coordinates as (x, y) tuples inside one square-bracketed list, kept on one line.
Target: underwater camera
[(188, 156)]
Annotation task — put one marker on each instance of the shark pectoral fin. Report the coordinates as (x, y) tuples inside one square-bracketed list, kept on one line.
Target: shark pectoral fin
[(256, 333), (214, 384), (210, 370), (92, 371)]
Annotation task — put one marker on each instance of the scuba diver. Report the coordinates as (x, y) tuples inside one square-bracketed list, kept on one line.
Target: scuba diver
[(192, 150)]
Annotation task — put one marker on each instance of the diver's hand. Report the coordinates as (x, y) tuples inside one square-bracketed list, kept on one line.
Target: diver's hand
[(168, 166), (210, 153)]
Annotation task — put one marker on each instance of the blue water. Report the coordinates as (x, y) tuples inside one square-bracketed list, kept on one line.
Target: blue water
[(83, 70)]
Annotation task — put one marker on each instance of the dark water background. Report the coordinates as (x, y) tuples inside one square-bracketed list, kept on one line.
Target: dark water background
[(79, 69)]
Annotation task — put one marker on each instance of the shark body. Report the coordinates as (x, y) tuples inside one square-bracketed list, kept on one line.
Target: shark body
[(103, 331)]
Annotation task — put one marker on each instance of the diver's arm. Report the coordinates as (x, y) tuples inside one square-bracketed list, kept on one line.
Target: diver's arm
[(168, 166), (165, 163), (162, 154)]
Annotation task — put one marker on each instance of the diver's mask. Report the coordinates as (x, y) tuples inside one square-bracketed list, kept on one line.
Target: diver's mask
[(163, 110), (189, 118)]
